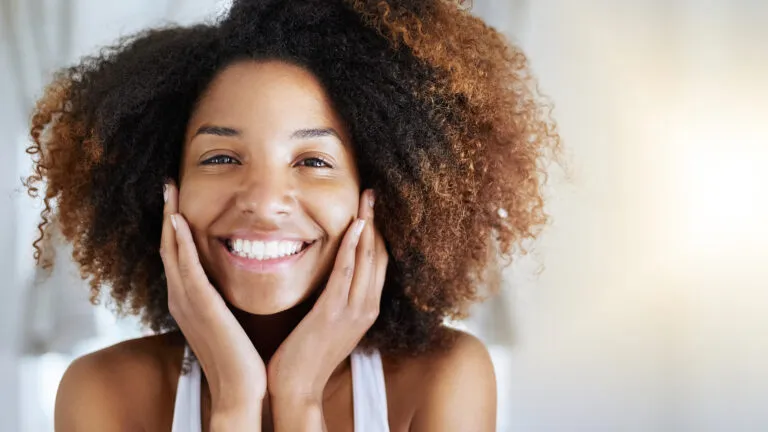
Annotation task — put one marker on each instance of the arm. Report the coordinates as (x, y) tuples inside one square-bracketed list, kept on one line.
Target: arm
[(462, 391), (348, 306), (298, 415), (87, 400), (236, 420)]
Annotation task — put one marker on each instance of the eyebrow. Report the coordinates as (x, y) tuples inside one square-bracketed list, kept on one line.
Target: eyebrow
[(298, 134), (315, 133), (217, 130)]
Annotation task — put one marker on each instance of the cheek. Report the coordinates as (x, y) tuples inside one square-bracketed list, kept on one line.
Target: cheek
[(335, 212), (199, 203)]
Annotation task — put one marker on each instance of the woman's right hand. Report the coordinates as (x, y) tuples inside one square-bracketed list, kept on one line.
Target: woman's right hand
[(235, 372)]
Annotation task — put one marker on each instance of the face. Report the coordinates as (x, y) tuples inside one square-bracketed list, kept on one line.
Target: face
[(268, 184)]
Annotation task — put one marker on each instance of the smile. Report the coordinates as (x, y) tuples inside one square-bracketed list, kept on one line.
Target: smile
[(264, 250)]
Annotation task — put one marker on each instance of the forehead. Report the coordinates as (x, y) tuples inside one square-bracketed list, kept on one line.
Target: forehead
[(270, 95)]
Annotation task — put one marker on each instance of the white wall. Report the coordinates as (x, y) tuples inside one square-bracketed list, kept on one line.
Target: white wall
[(651, 312), (9, 287)]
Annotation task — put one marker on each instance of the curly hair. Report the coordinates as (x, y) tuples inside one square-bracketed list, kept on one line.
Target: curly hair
[(445, 118)]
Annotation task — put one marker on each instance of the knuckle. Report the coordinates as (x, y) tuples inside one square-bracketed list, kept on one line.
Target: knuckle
[(364, 316), (348, 272), (173, 308), (185, 270), (332, 313), (371, 314)]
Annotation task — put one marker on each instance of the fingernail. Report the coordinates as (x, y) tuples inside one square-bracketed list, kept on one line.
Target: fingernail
[(359, 227), (173, 221), (371, 198), (165, 192)]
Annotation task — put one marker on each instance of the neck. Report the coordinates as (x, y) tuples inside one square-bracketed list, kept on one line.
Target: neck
[(267, 332)]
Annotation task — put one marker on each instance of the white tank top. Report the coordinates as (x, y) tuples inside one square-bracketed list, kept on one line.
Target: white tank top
[(369, 395)]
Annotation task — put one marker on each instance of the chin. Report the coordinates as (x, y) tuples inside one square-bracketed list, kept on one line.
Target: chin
[(265, 298), (262, 287)]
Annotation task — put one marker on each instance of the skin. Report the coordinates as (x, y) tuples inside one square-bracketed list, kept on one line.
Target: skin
[(266, 155)]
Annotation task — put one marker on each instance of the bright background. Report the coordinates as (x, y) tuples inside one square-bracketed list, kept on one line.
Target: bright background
[(644, 305)]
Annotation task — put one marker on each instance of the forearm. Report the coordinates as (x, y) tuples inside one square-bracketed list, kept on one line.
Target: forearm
[(248, 418), (297, 414)]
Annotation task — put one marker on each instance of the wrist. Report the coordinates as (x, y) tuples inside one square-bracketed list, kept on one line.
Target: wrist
[(294, 390), (236, 410), (242, 418), (298, 399), (233, 403), (230, 396), (297, 413)]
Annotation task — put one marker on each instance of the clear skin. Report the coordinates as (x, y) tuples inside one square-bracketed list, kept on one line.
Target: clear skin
[(266, 156), (270, 180)]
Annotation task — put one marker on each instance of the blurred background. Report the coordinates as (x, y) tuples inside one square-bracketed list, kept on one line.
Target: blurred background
[(644, 306)]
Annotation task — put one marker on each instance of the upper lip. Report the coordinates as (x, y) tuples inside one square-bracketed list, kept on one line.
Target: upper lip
[(266, 236)]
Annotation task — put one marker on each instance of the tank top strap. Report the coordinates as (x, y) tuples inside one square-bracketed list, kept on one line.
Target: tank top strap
[(369, 392), (186, 410)]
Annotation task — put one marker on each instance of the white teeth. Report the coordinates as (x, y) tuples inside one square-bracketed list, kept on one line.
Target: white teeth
[(260, 250), (257, 250), (270, 249)]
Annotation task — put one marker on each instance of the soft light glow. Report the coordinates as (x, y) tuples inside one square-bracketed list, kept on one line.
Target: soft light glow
[(719, 193), (723, 196)]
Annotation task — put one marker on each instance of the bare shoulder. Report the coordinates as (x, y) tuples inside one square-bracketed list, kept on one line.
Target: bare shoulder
[(121, 387), (449, 389)]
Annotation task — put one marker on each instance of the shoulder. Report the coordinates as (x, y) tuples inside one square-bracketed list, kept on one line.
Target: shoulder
[(106, 389), (457, 386)]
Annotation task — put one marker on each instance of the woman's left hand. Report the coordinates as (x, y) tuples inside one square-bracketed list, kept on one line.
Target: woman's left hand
[(349, 305)]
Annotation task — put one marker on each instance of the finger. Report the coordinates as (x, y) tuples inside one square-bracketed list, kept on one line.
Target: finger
[(171, 197), (380, 273), (194, 280), (365, 254), (190, 269), (168, 249), (337, 290)]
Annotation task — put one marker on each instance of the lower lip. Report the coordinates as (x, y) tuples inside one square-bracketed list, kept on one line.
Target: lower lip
[(264, 266)]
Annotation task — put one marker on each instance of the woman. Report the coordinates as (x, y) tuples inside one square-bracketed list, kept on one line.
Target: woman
[(326, 182)]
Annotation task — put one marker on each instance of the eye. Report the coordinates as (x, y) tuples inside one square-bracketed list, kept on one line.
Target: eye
[(314, 162), (221, 160)]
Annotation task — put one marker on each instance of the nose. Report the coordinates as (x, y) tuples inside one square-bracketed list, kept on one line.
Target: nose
[(266, 193)]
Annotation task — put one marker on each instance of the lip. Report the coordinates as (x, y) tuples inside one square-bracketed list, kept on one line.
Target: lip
[(275, 265)]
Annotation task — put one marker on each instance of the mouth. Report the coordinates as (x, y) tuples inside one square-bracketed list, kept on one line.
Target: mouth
[(265, 251)]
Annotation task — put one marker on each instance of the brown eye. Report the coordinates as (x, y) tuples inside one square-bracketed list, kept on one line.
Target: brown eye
[(314, 162), (221, 160)]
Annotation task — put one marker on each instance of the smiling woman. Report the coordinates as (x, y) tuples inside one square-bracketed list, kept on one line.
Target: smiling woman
[(267, 169), (323, 181)]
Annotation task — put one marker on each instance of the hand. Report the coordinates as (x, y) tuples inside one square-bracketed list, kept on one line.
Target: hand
[(235, 372), (345, 310)]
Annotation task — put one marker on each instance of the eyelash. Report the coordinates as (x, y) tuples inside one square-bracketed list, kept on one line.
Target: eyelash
[(213, 160), (321, 160), (220, 160)]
